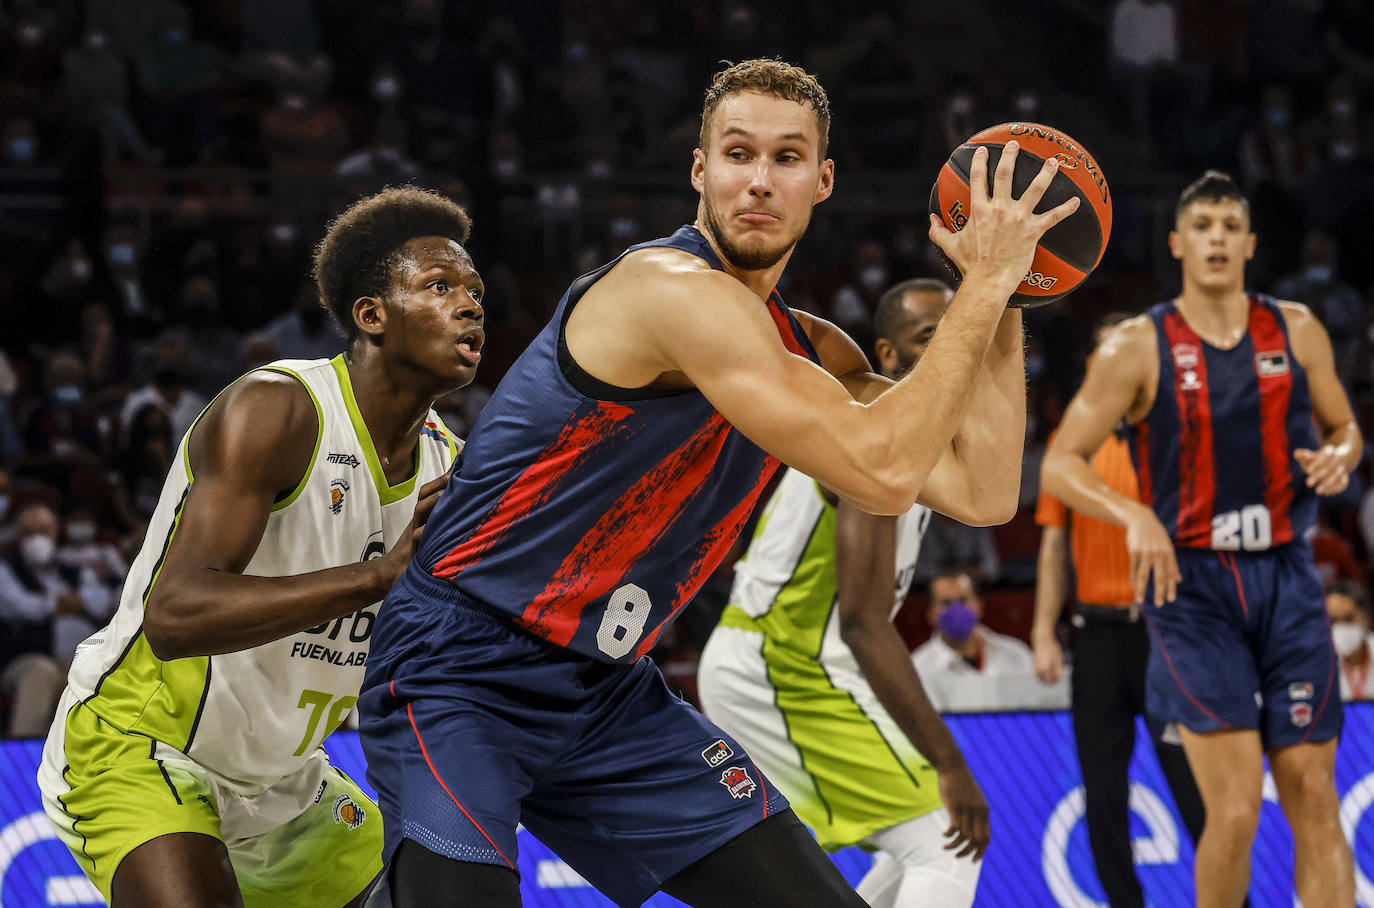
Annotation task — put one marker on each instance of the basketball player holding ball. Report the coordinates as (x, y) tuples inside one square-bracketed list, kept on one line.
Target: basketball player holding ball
[(1238, 422), (612, 469)]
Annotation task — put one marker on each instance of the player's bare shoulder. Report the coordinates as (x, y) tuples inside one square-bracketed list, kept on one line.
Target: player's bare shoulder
[(1128, 360), (1306, 333), (265, 416)]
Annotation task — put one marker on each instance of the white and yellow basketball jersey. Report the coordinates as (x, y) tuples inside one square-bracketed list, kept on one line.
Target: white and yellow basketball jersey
[(254, 716), (786, 580)]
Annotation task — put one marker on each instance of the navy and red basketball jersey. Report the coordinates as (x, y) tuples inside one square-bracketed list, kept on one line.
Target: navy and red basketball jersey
[(589, 515), (1215, 453)]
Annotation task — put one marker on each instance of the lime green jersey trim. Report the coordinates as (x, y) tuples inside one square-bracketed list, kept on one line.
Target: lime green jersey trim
[(385, 491), (452, 442), (319, 436)]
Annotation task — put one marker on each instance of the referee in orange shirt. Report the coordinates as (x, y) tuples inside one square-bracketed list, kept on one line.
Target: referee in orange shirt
[(1110, 650)]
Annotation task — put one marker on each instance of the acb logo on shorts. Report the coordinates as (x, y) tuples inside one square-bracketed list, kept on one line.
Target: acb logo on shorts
[(347, 811), (717, 753), (736, 781)]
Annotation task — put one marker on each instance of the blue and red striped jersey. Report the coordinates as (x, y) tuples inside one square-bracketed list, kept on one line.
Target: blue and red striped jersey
[(589, 515), (1214, 455)]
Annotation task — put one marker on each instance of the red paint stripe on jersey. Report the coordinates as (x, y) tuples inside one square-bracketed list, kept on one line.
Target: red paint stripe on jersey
[(784, 325), (715, 544), (1142, 463), (438, 778), (1275, 388), (630, 526), (1197, 486), (574, 444)]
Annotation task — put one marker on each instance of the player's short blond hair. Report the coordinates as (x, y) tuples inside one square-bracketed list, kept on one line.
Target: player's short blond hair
[(772, 77)]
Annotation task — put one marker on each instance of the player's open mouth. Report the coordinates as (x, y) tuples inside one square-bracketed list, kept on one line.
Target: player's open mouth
[(470, 346), (1218, 261)]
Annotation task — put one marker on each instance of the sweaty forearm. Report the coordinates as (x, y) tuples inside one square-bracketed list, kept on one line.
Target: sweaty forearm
[(207, 612), (1070, 478), (1051, 581), (989, 442), (886, 665), (927, 406)]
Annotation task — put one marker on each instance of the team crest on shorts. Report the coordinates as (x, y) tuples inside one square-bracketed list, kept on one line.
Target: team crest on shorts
[(736, 781), (337, 489), (1300, 690), (1301, 714), (347, 811), (717, 753)]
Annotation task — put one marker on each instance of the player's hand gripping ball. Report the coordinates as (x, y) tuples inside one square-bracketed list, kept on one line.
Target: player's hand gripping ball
[(1071, 249)]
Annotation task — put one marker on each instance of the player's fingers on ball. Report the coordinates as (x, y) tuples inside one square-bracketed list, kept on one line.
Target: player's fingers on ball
[(978, 176), (1006, 169), (1058, 213), (1042, 181)]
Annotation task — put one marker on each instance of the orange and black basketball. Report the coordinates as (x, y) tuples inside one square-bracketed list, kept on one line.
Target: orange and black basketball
[(1071, 249)]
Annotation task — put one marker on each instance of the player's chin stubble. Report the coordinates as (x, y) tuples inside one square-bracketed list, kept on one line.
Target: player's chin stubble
[(744, 259)]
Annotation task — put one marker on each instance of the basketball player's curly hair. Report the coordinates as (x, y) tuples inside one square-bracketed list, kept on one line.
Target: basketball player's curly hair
[(362, 246), (772, 77)]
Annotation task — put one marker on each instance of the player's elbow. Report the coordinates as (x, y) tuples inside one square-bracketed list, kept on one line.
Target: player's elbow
[(168, 636)]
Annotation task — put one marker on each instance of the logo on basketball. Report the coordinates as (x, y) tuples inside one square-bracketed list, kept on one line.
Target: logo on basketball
[(347, 811), (337, 489), (717, 753), (1066, 162), (1036, 279), (957, 216), (736, 781), (1301, 714)]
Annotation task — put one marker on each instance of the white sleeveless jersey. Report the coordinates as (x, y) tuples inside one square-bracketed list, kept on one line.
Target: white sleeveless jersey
[(786, 581), (254, 716)]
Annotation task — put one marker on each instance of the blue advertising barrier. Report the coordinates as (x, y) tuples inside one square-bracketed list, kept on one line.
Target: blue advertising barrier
[(1025, 763)]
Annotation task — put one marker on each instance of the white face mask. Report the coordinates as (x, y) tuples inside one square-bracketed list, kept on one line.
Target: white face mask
[(38, 550), (1347, 638)]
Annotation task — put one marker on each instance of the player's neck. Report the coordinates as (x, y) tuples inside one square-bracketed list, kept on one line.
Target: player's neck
[(392, 404), (1220, 317)]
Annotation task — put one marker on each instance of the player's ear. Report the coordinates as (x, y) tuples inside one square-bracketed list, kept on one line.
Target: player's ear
[(698, 169), (369, 314), (886, 354), (827, 182), (1250, 246), (1173, 244)]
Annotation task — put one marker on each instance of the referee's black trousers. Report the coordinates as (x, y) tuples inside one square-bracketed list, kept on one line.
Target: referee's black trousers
[(1108, 691)]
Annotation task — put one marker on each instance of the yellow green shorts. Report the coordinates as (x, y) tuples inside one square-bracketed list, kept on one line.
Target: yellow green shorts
[(313, 839)]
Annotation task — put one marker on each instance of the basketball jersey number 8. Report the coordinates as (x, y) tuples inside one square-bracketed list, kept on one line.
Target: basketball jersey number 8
[(1247, 529), (623, 623)]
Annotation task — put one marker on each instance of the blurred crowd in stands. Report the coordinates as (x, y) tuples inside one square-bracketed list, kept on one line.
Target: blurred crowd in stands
[(165, 168)]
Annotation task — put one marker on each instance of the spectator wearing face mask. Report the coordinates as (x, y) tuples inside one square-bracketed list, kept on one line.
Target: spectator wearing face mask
[(44, 606), (1348, 608), (962, 655)]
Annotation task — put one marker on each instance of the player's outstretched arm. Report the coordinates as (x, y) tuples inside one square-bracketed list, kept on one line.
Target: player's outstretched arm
[(978, 479), (705, 326), (865, 552), (252, 445), (1342, 444), (1116, 383)]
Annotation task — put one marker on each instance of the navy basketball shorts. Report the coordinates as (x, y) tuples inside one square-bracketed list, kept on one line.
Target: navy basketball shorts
[(1246, 645), (472, 727)]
